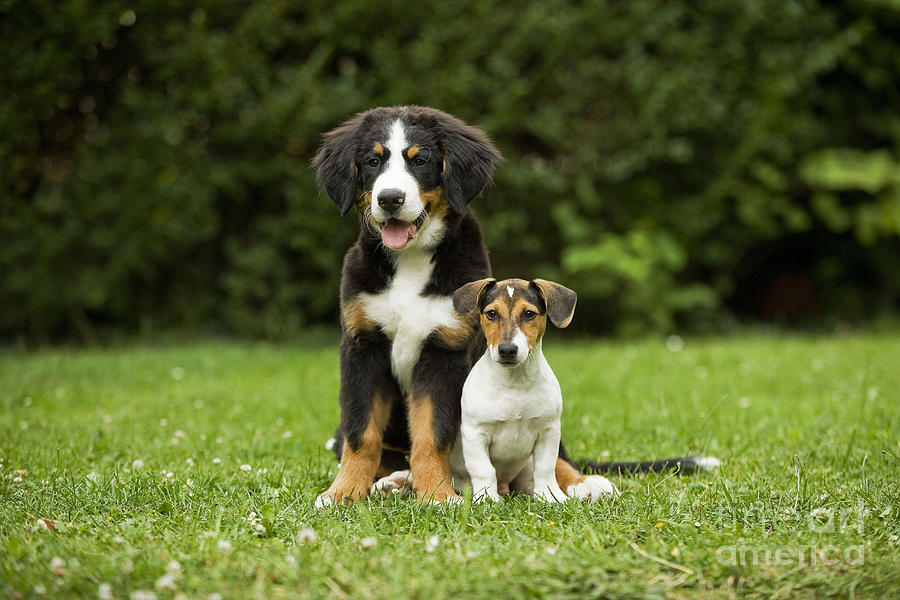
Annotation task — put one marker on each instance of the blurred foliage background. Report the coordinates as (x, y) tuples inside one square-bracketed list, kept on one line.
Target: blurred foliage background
[(680, 165)]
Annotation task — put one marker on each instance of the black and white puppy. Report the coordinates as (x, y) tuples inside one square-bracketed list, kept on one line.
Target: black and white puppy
[(410, 172)]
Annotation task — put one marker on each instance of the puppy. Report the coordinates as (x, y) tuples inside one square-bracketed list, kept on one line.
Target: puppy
[(511, 401), (509, 437)]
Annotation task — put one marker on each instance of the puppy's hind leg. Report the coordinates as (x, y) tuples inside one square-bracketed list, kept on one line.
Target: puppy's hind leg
[(581, 486)]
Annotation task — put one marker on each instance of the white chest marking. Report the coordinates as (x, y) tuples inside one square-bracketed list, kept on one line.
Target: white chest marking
[(405, 316)]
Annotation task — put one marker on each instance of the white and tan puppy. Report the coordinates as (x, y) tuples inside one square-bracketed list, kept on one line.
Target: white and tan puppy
[(509, 437), (511, 401)]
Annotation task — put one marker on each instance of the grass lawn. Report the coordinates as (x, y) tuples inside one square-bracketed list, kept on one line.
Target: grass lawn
[(191, 471)]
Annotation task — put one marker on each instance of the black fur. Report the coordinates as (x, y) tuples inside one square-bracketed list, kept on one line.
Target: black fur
[(459, 155), (684, 464)]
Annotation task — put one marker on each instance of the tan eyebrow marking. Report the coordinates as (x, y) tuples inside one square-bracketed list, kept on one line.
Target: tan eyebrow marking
[(412, 151), (379, 149)]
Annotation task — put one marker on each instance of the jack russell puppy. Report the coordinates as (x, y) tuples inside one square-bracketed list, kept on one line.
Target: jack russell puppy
[(511, 401)]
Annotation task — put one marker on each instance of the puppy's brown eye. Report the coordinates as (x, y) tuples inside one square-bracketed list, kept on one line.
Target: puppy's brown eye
[(528, 315), (419, 161), (374, 162), (491, 315)]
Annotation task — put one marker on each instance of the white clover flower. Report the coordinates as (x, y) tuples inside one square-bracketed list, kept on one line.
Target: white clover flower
[(190, 462), (165, 583), (173, 567), (306, 536), (217, 461), (137, 464), (104, 592), (287, 434), (674, 343), (142, 595), (368, 542), (433, 542), (223, 546), (40, 589), (246, 468), (179, 433)]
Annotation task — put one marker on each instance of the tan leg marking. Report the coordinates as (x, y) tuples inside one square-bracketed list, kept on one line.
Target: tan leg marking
[(459, 335), (358, 467), (354, 318), (567, 475), (430, 467)]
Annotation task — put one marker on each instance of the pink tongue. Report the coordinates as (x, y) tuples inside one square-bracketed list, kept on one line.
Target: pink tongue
[(395, 233)]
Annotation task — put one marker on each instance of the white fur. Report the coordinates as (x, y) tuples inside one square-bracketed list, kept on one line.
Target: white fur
[(405, 316), (521, 342), (708, 463), (594, 487), (509, 434), (398, 482), (510, 291), (396, 176)]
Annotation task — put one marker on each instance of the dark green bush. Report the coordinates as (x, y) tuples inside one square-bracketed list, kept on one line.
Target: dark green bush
[(155, 155)]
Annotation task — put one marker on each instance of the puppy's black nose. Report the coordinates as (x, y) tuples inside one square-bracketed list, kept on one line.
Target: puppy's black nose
[(507, 351), (391, 199)]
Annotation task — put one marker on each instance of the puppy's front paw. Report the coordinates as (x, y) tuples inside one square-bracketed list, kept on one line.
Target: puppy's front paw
[(398, 482), (551, 493), (593, 488), (487, 494)]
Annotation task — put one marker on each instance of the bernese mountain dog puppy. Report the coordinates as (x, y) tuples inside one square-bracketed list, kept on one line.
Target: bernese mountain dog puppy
[(410, 172)]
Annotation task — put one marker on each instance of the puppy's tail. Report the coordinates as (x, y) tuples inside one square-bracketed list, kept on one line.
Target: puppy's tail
[(682, 464)]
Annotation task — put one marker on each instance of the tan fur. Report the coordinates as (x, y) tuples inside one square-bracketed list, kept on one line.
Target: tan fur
[(460, 335), (378, 149), (364, 203), (497, 331), (533, 329), (354, 319), (359, 466), (411, 152), (503, 329), (430, 467), (567, 475), (435, 203)]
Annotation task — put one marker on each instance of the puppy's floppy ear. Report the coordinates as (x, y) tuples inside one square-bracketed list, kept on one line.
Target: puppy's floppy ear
[(469, 158), (335, 163), (560, 301), (468, 297)]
